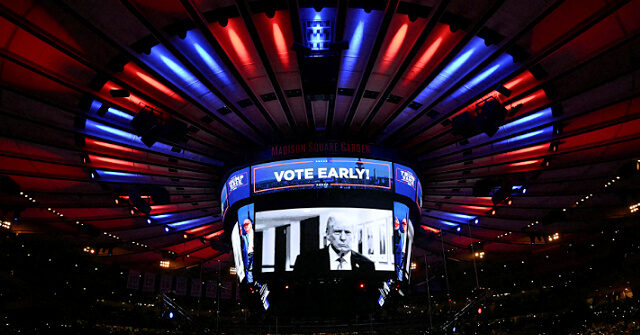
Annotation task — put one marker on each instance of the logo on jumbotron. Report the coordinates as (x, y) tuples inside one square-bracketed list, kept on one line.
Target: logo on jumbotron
[(406, 177), (237, 181)]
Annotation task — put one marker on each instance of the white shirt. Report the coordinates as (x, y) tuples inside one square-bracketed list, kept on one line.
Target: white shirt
[(334, 260)]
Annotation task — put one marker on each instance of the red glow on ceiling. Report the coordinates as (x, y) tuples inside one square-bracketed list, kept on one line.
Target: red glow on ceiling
[(281, 45), (238, 46), (156, 84), (110, 146), (210, 236), (101, 159), (199, 229), (537, 95), (535, 161), (529, 149), (132, 98), (425, 58), (396, 42), (476, 208), (430, 229)]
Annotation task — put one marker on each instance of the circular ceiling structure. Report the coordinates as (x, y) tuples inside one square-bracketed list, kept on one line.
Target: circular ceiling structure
[(120, 121)]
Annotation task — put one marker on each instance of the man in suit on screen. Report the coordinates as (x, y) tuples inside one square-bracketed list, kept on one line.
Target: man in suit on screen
[(338, 256)]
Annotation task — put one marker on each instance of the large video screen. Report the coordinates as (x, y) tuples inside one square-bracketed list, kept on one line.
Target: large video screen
[(326, 172), (317, 241)]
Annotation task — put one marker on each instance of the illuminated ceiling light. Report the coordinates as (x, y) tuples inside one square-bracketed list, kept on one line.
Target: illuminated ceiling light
[(233, 270), (165, 263), (396, 42), (414, 265)]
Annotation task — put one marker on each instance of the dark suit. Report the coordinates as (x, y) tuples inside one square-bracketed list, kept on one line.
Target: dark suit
[(322, 291), (316, 263)]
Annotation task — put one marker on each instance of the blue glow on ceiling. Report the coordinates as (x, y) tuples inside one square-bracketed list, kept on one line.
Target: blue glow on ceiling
[(161, 216), (447, 223), (460, 216), (531, 136), (162, 61), (104, 173), (204, 58), (100, 130), (473, 53), (188, 224), (120, 114), (540, 117), (527, 135)]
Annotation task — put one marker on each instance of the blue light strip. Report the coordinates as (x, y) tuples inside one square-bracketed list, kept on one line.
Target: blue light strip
[(472, 54), (358, 22), (530, 121), (188, 224), (100, 130), (493, 73), (452, 216), (115, 176), (161, 216), (163, 62), (447, 223), (524, 139), (204, 58), (541, 117)]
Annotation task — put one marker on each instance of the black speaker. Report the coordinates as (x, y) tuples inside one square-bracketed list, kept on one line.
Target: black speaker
[(160, 195), (464, 125), (490, 116), (144, 122), (136, 200)]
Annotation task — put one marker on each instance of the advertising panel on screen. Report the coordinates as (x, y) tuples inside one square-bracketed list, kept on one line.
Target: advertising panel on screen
[(224, 204), (245, 224), (406, 181), (322, 173), (402, 240), (238, 186), (303, 240)]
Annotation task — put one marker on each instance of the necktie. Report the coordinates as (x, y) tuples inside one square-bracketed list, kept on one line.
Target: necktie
[(341, 260)]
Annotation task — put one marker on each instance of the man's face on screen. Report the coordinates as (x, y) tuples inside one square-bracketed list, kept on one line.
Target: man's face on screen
[(340, 236), (247, 226)]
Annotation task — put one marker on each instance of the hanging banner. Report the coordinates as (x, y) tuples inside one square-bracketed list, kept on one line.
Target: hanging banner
[(211, 291), (133, 282), (225, 290), (166, 283), (181, 286), (196, 287), (149, 283)]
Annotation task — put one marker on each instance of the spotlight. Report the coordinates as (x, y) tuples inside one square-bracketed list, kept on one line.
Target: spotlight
[(120, 93), (504, 91), (167, 229), (318, 5), (458, 228), (223, 21), (476, 220), (148, 220), (270, 12), (545, 162)]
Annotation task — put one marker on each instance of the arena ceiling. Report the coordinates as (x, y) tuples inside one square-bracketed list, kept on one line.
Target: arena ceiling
[(242, 76)]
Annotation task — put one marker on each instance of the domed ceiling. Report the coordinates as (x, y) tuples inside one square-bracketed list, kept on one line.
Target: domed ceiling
[(82, 83)]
